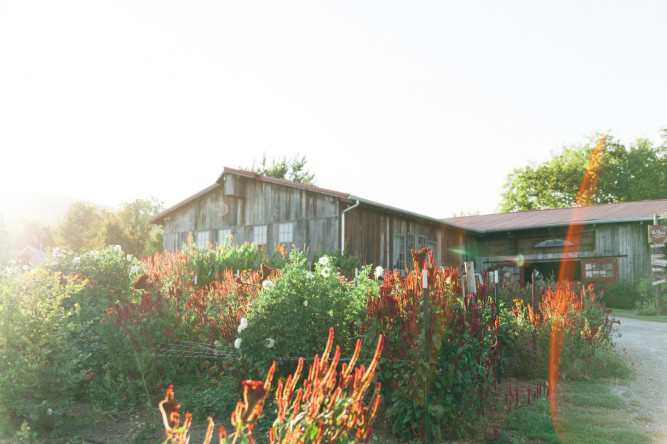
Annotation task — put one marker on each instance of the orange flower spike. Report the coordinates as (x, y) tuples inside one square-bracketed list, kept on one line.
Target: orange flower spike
[(209, 431), (297, 402), (269, 375), (327, 349), (222, 433)]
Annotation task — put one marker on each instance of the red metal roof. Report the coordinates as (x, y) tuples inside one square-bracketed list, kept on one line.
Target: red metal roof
[(616, 212)]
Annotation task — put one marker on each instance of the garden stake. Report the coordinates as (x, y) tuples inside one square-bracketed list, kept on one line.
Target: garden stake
[(427, 347)]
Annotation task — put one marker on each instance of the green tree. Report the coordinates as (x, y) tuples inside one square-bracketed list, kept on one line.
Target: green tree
[(129, 227), (637, 172), (291, 169), (81, 230)]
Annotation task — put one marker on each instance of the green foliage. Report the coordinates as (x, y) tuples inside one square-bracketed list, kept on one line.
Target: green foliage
[(462, 356), (293, 169), (208, 264), (620, 294), (637, 172), (292, 315), (81, 230), (41, 365), (130, 228)]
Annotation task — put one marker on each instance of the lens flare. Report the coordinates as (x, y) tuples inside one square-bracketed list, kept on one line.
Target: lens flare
[(585, 196)]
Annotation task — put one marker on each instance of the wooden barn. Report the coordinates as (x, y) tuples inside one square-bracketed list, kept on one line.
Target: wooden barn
[(246, 207), (600, 242)]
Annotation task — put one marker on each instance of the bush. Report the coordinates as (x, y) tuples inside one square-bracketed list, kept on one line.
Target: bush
[(294, 313), (462, 356), (621, 294), (41, 364)]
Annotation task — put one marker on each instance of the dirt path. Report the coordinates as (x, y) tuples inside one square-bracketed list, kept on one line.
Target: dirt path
[(646, 345)]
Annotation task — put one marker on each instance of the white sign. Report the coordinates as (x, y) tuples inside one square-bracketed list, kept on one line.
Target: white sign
[(659, 262), (661, 281), (658, 270), (657, 245), (658, 255)]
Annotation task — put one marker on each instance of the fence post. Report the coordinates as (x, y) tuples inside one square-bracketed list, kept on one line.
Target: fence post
[(427, 353)]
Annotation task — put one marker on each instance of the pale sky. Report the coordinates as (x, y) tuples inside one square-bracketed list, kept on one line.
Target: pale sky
[(421, 105)]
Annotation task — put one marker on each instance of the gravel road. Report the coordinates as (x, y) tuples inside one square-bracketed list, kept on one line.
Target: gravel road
[(646, 345)]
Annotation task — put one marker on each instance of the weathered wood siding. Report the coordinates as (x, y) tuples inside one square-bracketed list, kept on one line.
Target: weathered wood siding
[(626, 243), (370, 235), (241, 203)]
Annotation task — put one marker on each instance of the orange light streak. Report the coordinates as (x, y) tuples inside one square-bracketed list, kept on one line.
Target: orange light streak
[(587, 190)]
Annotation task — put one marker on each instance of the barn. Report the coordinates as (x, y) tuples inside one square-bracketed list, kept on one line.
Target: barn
[(599, 242), (246, 207)]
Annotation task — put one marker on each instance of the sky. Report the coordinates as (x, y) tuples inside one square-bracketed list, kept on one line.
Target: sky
[(421, 105)]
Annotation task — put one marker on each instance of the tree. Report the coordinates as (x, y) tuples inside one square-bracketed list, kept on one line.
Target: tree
[(81, 230), (638, 172), (293, 169), (129, 228)]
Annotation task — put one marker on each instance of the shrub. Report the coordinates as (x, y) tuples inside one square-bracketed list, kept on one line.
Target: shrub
[(462, 356), (327, 407), (293, 314), (41, 365)]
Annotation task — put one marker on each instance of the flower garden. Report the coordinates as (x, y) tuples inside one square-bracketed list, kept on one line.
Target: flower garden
[(291, 351)]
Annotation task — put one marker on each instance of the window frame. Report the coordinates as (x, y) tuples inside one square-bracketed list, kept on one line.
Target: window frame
[(594, 268), (282, 232), (260, 232)]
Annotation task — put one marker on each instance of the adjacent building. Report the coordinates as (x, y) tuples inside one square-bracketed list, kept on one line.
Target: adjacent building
[(602, 242)]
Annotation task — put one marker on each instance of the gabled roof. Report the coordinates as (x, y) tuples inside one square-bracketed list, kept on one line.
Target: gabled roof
[(159, 218), (594, 214)]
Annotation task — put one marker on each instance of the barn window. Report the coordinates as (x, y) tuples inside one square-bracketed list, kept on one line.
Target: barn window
[(398, 259), (599, 269), (259, 234), (225, 236), (286, 233), (202, 239)]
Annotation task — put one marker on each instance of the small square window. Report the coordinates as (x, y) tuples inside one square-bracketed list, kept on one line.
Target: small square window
[(202, 239), (259, 234), (286, 233)]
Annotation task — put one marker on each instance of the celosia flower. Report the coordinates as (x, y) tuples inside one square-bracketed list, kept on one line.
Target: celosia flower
[(237, 343), (270, 342), (76, 260), (379, 272), (326, 272), (117, 248), (324, 260), (267, 284)]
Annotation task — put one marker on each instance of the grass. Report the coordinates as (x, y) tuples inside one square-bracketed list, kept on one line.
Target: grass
[(631, 314), (587, 412)]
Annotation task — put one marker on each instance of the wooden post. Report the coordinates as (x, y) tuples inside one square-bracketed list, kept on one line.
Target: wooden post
[(470, 277), (427, 357)]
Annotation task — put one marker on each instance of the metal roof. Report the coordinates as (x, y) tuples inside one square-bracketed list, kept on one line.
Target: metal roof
[(608, 213)]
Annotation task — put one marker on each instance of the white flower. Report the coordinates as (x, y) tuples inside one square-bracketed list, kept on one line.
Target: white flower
[(237, 343), (76, 260), (324, 260), (243, 325), (94, 252), (129, 257), (305, 303), (267, 284), (309, 275), (269, 343), (49, 411), (54, 263), (25, 268), (330, 312), (117, 248), (133, 269), (325, 272), (379, 272), (56, 252)]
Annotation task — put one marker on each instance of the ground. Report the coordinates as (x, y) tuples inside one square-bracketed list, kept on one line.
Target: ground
[(643, 342)]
